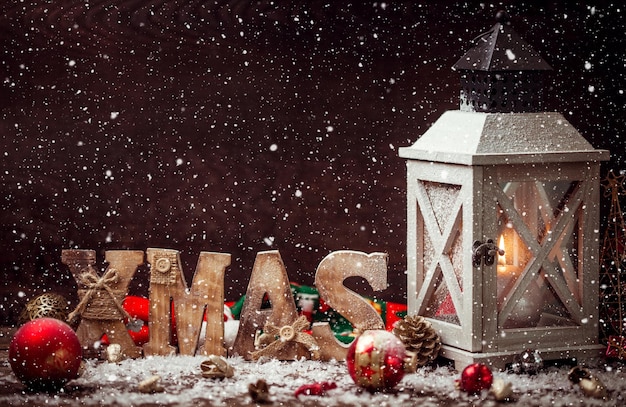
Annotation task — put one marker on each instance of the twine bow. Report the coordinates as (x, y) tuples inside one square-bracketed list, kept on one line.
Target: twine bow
[(284, 335), (94, 284)]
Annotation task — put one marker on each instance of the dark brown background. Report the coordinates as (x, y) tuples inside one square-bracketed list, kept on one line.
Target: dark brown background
[(242, 126)]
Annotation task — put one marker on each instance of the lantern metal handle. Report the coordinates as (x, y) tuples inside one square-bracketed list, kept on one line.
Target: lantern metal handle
[(485, 252)]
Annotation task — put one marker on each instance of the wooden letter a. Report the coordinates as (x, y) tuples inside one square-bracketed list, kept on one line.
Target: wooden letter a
[(268, 281)]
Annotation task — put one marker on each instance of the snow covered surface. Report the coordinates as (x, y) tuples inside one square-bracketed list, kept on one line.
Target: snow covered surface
[(105, 383)]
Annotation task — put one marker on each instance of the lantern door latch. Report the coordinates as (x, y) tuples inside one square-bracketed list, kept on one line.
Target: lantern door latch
[(485, 253)]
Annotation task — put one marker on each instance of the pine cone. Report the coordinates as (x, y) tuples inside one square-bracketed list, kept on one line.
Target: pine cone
[(419, 337)]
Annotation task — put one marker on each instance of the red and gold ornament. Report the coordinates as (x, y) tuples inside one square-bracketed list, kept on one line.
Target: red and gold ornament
[(45, 354), (377, 360), (475, 378)]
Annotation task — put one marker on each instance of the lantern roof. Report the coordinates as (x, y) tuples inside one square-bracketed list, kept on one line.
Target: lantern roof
[(501, 49), (473, 138)]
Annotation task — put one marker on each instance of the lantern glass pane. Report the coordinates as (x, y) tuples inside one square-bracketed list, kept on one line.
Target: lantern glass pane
[(539, 228), (441, 210), (440, 305), (440, 250), (441, 247)]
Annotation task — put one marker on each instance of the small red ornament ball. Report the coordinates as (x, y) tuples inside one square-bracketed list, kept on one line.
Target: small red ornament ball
[(45, 354), (475, 378), (375, 360)]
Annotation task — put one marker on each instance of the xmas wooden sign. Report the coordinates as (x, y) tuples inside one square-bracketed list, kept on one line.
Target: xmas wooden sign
[(276, 332)]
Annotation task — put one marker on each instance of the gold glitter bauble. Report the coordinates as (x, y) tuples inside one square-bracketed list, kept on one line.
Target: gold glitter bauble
[(45, 305)]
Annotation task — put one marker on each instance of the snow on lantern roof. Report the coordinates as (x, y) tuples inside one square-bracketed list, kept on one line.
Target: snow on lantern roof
[(472, 138), (501, 49)]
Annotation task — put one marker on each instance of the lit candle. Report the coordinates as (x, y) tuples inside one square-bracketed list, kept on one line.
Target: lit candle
[(526, 312), (507, 270), (502, 269)]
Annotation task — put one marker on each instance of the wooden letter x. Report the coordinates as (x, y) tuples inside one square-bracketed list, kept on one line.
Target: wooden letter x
[(100, 307)]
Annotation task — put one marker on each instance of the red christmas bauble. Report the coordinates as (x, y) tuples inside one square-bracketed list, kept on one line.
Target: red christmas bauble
[(375, 360), (475, 378), (45, 354)]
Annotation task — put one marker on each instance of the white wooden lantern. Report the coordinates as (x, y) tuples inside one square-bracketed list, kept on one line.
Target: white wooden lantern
[(503, 219)]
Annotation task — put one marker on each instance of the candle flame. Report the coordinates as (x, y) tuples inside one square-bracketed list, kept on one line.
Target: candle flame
[(501, 257)]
